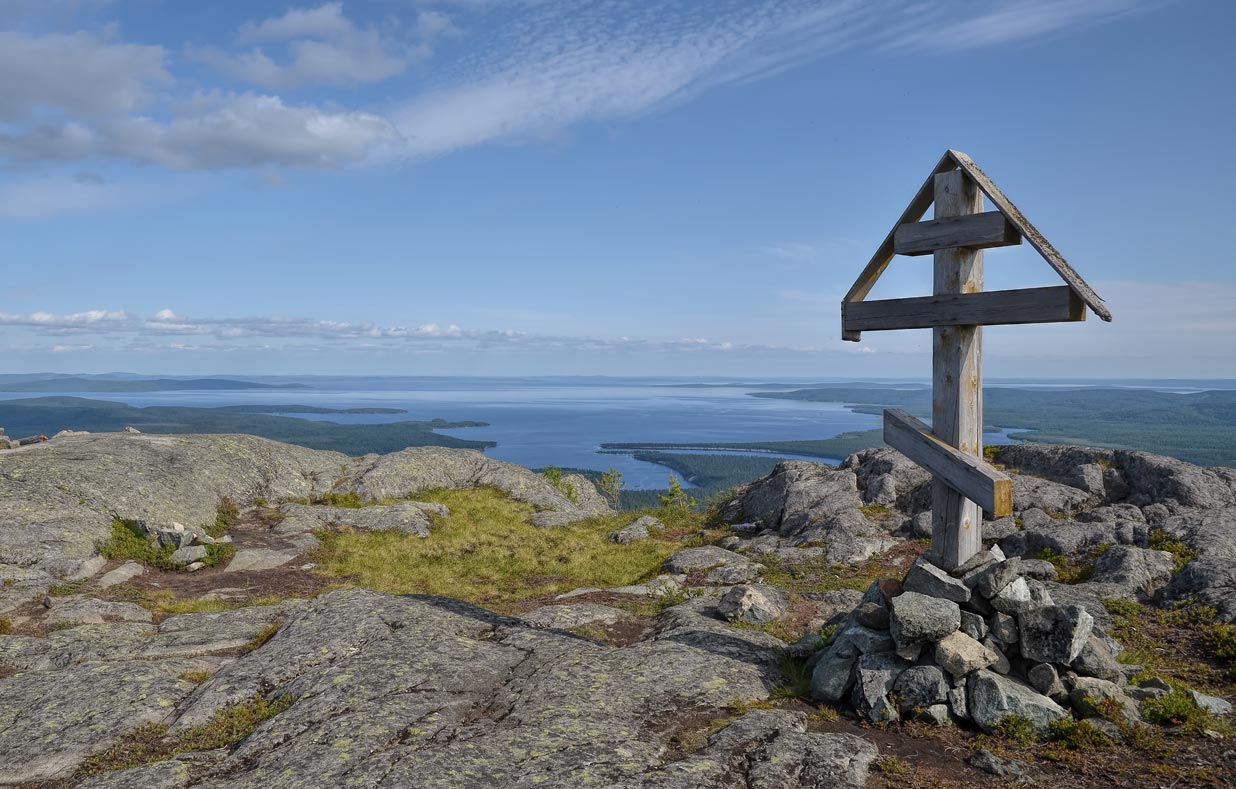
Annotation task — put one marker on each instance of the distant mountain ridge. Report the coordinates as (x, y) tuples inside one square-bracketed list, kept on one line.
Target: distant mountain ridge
[(79, 384)]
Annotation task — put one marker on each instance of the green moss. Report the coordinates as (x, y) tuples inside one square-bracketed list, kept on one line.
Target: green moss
[(65, 589), (1162, 541), (196, 677), (890, 766), (150, 742), (226, 515), (1120, 607), (877, 512), (6, 626), (261, 638), (1017, 728), (128, 541), (486, 551), (1077, 735), (1179, 708)]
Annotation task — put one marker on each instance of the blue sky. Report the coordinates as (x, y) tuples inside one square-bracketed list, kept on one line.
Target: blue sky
[(608, 187)]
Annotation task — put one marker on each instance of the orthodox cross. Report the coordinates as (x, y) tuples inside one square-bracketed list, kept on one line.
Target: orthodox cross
[(952, 448)]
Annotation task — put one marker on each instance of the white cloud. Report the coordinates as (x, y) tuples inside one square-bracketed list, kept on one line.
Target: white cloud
[(84, 74), (528, 69), (322, 47)]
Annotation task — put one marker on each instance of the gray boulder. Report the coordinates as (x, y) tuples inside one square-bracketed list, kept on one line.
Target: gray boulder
[(1054, 634), (755, 604), (1030, 492), (795, 495), (1175, 483), (639, 529), (1139, 571), (569, 615), (917, 619), (925, 578), (920, 687), (189, 555), (959, 654), (722, 566), (887, 477), (409, 517), (874, 678), (991, 698)]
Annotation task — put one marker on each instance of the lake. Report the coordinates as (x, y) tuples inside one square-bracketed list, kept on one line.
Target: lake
[(543, 422)]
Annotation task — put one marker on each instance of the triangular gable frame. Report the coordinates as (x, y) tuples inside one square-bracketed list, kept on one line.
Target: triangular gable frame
[(918, 208)]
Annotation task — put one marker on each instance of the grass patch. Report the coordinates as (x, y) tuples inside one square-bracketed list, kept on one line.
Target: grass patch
[(1181, 553), (196, 677), (1017, 728), (1179, 708), (890, 766), (128, 541), (1183, 644), (66, 588), (816, 575), (877, 512), (797, 679), (150, 742), (6, 626), (350, 500), (226, 515), (261, 638), (1073, 572), (487, 552), (165, 601), (1076, 735)]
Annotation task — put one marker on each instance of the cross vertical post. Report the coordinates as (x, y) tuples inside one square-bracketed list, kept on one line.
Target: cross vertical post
[(963, 485), (957, 378)]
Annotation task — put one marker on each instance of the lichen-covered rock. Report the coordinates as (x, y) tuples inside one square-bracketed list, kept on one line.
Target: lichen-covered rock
[(1054, 634), (723, 567), (639, 529), (1046, 495), (888, 477), (1210, 581), (409, 517), (991, 698), (920, 687), (1155, 479), (959, 654), (925, 578), (874, 678), (82, 610), (755, 604), (1138, 571), (572, 615), (917, 618), (798, 494)]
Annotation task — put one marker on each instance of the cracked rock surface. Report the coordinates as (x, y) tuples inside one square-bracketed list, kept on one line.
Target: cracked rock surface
[(416, 691)]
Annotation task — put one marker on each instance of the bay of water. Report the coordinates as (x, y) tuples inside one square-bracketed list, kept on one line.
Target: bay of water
[(543, 422)]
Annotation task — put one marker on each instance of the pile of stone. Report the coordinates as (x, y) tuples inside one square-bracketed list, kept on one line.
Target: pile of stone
[(13, 443), (981, 644), (189, 542)]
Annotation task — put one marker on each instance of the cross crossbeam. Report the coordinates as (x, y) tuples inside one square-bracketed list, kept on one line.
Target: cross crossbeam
[(951, 449)]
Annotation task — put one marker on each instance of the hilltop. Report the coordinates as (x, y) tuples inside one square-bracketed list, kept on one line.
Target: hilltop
[(226, 610)]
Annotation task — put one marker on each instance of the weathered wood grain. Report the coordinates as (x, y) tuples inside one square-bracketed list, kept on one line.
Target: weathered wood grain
[(1031, 234), (957, 378), (966, 474), (976, 231), (988, 308), (879, 261)]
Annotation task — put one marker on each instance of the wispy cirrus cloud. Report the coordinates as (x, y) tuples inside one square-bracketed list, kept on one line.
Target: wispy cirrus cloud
[(523, 70)]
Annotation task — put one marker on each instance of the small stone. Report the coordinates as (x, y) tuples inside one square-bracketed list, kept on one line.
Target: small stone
[(872, 615), (1003, 628), (959, 654), (988, 762), (981, 560), (925, 578), (957, 699), (874, 678), (1097, 660), (1039, 569), (868, 640), (1014, 598), (755, 604), (131, 429), (919, 687), (639, 529), (920, 525), (125, 572), (1055, 634), (1093, 697), (917, 618), (189, 555), (194, 567), (973, 625), (1045, 679), (936, 714), (990, 580), (992, 698), (1212, 704), (728, 543)]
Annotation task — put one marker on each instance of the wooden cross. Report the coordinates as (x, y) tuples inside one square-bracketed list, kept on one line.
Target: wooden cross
[(952, 448)]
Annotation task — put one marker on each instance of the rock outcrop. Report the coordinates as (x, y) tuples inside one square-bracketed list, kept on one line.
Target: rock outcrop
[(412, 691), (58, 499)]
